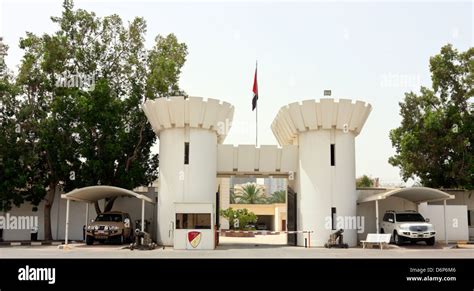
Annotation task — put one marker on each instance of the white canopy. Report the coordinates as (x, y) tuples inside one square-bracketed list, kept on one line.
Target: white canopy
[(413, 194), (94, 193)]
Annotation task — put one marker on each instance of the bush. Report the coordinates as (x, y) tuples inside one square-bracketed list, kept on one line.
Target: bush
[(243, 215)]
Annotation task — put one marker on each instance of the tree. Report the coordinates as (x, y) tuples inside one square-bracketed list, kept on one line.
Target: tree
[(46, 122), (277, 197), (364, 181), (18, 179), (242, 215), (435, 139), (83, 87), (115, 135), (228, 214), (232, 197), (250, 194), (3, 66)]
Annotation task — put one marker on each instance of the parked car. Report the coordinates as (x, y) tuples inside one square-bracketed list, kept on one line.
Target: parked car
[(261, 226), (110, 226), (408, 226)]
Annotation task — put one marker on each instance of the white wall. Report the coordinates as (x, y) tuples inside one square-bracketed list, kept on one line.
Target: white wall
[(456, 218), (200, 183), (195, 182), (313, 185), (343, 193), (463, 197), (321, 186), (171, 187), (207, 242), (77, 217), (267, 159), (224, 200), (58, 218), (181, 241)]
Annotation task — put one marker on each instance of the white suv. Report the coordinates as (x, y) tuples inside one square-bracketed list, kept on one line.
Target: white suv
[(408, 226)]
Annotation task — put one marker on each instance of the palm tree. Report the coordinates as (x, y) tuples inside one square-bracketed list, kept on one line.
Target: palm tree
[(278, 197), (250, 194), (233, 198)]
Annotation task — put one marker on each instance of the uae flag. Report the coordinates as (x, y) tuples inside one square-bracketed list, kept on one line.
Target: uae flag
[(255, 91)]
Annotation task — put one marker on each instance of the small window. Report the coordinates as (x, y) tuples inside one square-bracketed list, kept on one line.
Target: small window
[(391, 217), (333, 155), (186, 153), (388, 216), (193, 221), (333, 218)]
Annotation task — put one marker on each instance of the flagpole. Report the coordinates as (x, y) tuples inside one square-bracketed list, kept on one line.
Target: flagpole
[(256, 114)]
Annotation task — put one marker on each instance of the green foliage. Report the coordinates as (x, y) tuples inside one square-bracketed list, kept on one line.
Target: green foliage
[(232, 197), (243, 215), (277, 197), (77, 98), (20, 169), (250, 194), (166, 60), (364, 181), (435, 139)]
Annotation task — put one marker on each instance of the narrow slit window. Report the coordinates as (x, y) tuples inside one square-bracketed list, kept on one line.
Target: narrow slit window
[(333, 154), (333, 218), (186, 153)]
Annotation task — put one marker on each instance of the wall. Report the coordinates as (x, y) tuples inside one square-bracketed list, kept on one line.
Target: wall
[(456, 220), (321, 186), (77, 216), (224, 192), (171, 170), (179, 182), (462, 197), (280, 216), (180, 236), (249, 159)]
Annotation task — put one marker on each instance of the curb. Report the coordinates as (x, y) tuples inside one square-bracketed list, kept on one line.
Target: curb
[(32, 243)]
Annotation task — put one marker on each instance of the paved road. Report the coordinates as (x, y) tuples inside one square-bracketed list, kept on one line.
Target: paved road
[(259, 247)]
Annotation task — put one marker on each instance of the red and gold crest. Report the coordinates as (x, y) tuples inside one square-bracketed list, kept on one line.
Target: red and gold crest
[(194, 238)]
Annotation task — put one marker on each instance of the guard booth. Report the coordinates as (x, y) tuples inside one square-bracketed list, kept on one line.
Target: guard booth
[(194, 228)]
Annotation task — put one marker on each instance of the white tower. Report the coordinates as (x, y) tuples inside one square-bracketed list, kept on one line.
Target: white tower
[(189, 130), (325, 132)]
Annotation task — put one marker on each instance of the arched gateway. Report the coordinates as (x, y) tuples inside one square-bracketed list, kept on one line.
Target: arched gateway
[(317, 147)]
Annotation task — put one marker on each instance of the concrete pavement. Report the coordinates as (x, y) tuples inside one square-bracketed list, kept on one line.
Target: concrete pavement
[(272, 246)]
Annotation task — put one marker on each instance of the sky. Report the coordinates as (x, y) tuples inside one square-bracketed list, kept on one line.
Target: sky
[(361, 50)]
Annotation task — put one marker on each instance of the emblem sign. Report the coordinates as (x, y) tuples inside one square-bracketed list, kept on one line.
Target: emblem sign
[(194, 238)]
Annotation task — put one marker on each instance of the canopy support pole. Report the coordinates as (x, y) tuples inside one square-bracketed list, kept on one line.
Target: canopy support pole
[(87, 220), (67, 222), (143, 218), (143, 215), (445, 223), (377, 216)]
